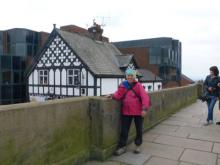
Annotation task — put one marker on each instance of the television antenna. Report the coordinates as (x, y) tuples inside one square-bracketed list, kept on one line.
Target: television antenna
[(102, 21)]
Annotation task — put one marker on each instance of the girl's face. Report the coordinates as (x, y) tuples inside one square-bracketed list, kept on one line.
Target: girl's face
[(211, 73), (130, 78)]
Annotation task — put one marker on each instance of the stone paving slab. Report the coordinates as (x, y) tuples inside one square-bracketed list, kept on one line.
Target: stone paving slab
[(168, 130), (131, 158), (103, 163), (193, 120), (175, 134), (180, 140), (181, 123), (160, 150), (184, 163), (150, 137), (199, 157), (216, 148), (161, 161), (184, 143)]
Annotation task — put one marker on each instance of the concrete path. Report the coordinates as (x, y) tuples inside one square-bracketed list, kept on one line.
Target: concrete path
[(180, 140)]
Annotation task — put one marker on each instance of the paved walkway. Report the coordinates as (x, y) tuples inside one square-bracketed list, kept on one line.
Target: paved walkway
[(180, 140)]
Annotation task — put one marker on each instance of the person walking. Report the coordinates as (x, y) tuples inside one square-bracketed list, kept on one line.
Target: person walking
[(135, 104), (212, 92)]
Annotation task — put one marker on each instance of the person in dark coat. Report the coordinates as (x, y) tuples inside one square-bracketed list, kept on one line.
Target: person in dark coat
[(211, 90)]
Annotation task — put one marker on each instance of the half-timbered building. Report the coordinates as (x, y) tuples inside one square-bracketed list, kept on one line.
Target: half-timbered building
[(71, 64)]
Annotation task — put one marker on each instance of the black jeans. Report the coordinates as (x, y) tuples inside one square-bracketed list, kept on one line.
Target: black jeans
[(125, 126)]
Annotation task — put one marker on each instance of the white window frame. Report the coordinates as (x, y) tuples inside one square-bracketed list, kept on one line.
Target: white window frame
[(73, 76), (45, 77)]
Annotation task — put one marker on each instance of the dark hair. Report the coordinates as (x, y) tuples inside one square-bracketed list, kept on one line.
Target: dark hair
[(215, 70)]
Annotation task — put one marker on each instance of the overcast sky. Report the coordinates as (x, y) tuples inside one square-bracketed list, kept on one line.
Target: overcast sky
[(196, 23)]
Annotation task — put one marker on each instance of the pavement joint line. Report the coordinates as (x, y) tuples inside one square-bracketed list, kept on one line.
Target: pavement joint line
[(178, 127), (188, 136), (185, 125), (161, 158), (161, 133), (168, 145), (205, 140), (151, 156), (171, 145), (181, 154), (213, 147)]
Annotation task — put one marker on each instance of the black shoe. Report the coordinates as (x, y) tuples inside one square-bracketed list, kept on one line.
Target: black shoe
[(218, 123)]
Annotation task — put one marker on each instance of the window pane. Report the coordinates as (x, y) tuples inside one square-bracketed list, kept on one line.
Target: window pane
[(70, 81), (16, 77), (6, 92), (6, 62), (21, 49), (41, 80), (41, 72), (16, 62), (6, 77), (17, 91), (45, 72), (155, 55), (76, 80), (1, 41), (45, 80), (76, 72), (70, 72)]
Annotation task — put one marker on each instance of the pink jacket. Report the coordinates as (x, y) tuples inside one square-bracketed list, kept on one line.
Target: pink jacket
[(131, 104)]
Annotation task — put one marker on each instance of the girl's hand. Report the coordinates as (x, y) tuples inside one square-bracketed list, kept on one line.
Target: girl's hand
[(144, 113)]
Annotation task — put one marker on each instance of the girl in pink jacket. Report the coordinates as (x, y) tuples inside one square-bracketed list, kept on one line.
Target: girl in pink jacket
[(135, 103)]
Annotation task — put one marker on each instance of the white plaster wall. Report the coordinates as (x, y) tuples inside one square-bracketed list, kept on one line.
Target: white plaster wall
[(57, 77), (35, 90), (109, 85), (57, 90), (35, 77), (120, 81), (30, 89), (41, 90), (98, 91), (37, 98), (51, 90), (156, 85), (146, 86), (30, 79), (90, 79), (90, 92), (46, 90), (70, 91), (83, 74), (63, 91), (76, 91), (63, 77), (51, 77), (98, 81)]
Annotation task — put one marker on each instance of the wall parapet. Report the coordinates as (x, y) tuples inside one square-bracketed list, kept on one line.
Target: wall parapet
[(71, 131)]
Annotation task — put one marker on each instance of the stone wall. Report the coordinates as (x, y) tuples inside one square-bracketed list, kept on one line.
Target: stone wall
[(71, 131)]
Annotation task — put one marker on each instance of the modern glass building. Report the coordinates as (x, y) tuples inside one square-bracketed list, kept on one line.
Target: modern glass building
[(163, 56), (17, 47)]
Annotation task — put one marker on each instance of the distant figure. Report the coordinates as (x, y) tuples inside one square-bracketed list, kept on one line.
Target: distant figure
[(211, 90), (135, 104)]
